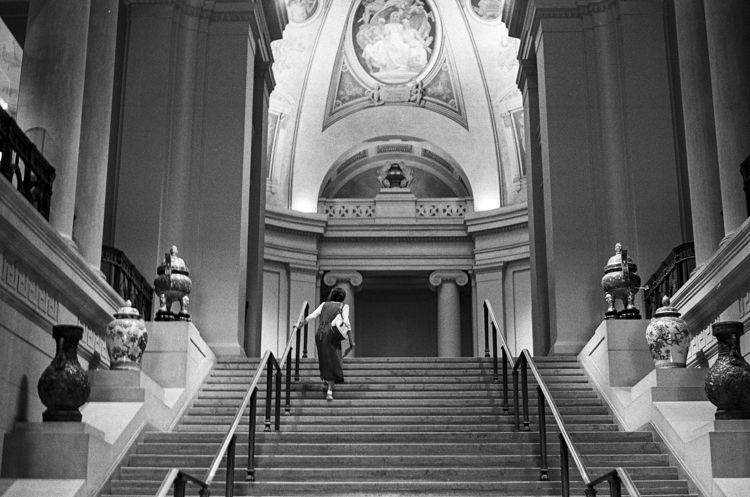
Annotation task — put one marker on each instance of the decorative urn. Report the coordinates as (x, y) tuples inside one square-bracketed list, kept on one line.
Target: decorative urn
[(64, 386), (621, 283), (126, 339), (728, 380), (668, 337), (395, 176), (172, 284)]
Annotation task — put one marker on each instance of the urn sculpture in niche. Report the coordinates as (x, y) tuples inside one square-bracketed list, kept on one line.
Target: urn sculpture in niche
[(728, 380), (621, 283), (172, 284), (64, 386), (668, 337), (126, 339)]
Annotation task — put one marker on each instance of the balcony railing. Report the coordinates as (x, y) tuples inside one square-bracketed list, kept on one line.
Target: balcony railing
[(24, 166), (424, 208), (671, 275), (125, 278)]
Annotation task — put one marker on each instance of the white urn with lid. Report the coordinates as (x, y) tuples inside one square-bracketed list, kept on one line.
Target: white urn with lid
[(668, 337), (126, 339)]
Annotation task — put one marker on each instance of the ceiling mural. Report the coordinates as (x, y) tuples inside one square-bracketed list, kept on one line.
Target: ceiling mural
[(301, 10), (394, 39), (487, 10), (394, 53)]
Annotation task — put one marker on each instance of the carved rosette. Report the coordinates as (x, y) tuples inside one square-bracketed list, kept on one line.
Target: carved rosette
[(728, 380), (126, 339), (668, 337), (64, 386)]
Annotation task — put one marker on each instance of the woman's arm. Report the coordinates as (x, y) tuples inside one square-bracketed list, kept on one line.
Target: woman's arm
[(314, 314), (345, 315)]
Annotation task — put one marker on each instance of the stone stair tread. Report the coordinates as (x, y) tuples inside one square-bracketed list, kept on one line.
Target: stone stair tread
[(400, 426)]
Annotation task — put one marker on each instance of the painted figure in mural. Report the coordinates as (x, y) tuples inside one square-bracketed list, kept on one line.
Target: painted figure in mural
[(301, 10), (394, 37), (488, 9)]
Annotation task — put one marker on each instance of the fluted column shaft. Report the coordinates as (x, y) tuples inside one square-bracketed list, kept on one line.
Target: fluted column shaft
[(96, 118), (700, 132), (449, 311), (729, 58), (51, 94)]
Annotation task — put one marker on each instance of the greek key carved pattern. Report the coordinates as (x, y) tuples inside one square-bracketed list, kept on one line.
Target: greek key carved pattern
[(31, 292)]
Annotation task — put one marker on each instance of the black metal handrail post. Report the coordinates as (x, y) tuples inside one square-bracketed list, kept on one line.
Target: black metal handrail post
[(564, 468), (494, 352), (304, 344), (229, 487), (516, 410), (487, 331), (251, 437), (525, 392), (505, 381), (288, 406), (277, 421), (542, 434), (269, 395)]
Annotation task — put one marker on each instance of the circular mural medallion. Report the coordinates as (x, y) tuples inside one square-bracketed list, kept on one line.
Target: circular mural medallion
[(487, 10), (394, 40)]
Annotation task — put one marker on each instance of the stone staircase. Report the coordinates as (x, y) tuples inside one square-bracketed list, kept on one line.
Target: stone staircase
[(400, 427)]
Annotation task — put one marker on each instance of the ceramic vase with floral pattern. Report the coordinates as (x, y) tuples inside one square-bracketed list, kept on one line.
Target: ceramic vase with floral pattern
[(64, 386), (126, 339), (668, 337)]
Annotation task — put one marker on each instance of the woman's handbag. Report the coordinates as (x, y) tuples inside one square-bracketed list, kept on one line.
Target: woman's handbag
[(339, 327)]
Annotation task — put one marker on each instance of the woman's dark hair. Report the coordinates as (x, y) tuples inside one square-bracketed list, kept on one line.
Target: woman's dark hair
[(338, 294)]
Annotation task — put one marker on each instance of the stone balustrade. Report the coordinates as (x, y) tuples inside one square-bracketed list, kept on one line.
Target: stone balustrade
[(428, 208)]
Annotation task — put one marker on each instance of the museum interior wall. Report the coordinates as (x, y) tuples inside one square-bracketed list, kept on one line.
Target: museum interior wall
[(287, 151)]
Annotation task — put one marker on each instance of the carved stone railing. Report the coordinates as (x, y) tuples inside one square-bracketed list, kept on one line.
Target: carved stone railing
[(441, 208), (349, 208), (432, 208), (24, 166), (671, 275), (124, 277)]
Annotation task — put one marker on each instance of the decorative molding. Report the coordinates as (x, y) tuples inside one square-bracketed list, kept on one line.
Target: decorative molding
[(439, 277), (28, 289), (362, 154)]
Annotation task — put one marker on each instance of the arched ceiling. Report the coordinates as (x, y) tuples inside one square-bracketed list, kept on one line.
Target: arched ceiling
[(351, 72)]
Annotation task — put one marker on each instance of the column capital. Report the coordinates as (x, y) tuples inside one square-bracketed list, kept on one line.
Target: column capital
[(437, 278), (332, 278)]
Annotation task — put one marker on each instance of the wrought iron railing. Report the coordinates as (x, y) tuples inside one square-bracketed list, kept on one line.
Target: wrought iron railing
[(179, 479), (616, 477), (671, 275), (490, 322), (745, 172), (23, 165), (124, 277)]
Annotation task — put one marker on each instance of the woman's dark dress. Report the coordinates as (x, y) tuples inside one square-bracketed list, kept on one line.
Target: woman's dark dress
[(330, 358)]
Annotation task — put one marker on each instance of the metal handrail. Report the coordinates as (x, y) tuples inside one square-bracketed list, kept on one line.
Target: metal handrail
[(268, 363), (567, 447), (490, 321)]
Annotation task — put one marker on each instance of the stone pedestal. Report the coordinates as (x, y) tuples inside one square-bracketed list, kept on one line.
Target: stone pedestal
[(620, 352), (116, 386), (730, 448), (175, 353), (395, 202), (33, 450)]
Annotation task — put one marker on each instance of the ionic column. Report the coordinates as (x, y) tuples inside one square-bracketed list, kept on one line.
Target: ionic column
[(700, 132), (729, 58), (96, 118), (50, 95), (449, 311), (350, 282)]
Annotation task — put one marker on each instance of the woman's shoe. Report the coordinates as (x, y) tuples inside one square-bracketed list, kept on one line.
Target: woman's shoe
[(329, 396)]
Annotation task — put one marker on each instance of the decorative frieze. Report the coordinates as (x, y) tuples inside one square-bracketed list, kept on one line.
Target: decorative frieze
[(28, 289), (456, 208)]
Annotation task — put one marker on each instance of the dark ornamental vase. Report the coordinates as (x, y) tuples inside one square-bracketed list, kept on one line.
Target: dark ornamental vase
[(64, 386), (126, 339), (668, 337), (728, 380)]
